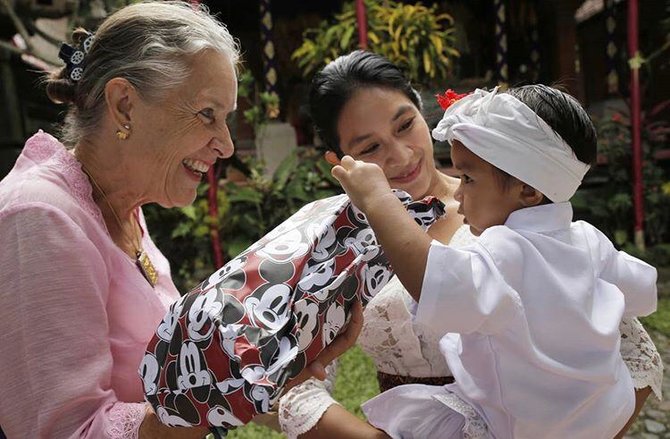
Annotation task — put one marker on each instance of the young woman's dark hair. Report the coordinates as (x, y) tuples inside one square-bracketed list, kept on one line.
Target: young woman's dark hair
[(564, 114), (333, 86)]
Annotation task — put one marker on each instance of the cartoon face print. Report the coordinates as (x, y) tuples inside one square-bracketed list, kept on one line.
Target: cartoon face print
[(169, 419), (224, 272), (318, 210), (192, 370), (149, 372), (323, 294), (325, 237), (271, 309), (317, 276), (261, 398), (422, 214), (219, 416), (403, 196), (361, 240), (229, 334), (233, 310), (203, 312), (290, 245), (333, 324), (306, 319), (286, 353), (281, 229), (276, 273), (169, 322), (375, 278), (229, 385), (358, 216), (253, 374), (258, 393)]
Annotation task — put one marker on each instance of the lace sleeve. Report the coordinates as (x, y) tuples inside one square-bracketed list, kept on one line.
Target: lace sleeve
[(302, 406), (389, 336), (640, 355), (125, 420)]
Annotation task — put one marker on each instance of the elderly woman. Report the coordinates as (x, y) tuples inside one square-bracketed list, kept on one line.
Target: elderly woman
[(363, 106), (83, 285)]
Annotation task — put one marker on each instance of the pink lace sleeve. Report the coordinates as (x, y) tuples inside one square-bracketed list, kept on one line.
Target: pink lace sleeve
[(125, 420)]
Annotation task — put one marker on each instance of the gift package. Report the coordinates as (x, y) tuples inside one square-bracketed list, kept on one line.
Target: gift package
[(224, 351)]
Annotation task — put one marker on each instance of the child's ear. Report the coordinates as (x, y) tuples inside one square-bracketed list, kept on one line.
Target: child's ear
[(530, 196), (331, 157)]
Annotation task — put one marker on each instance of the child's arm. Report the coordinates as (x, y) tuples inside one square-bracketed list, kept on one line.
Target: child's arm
[(405, 244), (635, 278), (463, 290)]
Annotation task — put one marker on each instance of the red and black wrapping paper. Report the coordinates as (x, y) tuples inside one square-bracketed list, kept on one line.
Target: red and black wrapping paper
[(223, 352)]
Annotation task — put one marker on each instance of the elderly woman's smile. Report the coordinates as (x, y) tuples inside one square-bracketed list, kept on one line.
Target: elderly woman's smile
[(197, 167)]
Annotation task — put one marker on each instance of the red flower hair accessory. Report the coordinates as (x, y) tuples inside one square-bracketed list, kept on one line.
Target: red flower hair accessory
[(448, 98)]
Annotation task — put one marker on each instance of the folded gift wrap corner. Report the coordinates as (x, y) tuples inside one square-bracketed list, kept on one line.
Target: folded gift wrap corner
[(223, 352)]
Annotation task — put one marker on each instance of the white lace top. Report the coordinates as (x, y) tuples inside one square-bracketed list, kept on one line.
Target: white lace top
[(400, 348)]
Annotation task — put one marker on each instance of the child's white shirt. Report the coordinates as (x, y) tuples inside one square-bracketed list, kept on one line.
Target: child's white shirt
[(531, 313)]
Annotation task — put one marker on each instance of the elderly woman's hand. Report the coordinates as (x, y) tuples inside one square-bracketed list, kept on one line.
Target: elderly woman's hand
[(340, 345)]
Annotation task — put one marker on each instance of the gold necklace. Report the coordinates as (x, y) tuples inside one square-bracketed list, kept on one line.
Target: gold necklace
[(142, 260)]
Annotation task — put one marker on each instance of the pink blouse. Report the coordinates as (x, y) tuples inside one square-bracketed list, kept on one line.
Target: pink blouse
[(75, 312)]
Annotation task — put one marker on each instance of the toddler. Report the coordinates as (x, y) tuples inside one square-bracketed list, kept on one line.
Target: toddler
[(530, 311)]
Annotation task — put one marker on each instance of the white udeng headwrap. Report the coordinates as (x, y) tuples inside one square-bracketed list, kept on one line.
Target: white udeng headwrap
[(502, 130)]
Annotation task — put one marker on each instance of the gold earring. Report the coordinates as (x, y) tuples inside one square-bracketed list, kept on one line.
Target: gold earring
[(122, 135)]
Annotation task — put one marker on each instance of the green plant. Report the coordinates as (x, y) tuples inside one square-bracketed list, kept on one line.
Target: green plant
[(246, 212), (415, 37), (610, 206), (264, 106)]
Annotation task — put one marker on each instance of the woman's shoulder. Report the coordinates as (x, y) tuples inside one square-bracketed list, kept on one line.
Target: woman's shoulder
[(46, 176)]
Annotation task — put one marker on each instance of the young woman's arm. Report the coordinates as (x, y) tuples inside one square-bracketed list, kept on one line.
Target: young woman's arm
[(338, 423)]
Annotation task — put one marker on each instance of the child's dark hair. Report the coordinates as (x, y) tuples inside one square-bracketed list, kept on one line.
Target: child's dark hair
[(336, 83), (565, 115)]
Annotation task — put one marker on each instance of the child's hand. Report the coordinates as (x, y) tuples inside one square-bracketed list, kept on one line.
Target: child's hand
[(363, 182)]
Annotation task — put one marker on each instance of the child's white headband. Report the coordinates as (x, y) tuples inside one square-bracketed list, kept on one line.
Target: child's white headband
[(502, 130)]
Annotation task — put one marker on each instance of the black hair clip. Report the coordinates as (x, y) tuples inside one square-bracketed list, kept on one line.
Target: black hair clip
[(74, 57)]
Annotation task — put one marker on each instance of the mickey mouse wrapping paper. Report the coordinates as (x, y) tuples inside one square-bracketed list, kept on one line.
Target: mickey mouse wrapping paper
[(223, 352)]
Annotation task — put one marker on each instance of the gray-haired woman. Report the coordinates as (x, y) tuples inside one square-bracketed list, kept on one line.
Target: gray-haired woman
[(83, 285)]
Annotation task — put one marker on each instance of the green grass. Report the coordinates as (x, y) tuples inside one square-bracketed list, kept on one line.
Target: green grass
[(660, 320), (253, 431), (356, 383)]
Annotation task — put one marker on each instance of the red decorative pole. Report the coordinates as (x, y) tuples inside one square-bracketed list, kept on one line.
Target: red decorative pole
[(362, 24), (634, 63), (213, 205)]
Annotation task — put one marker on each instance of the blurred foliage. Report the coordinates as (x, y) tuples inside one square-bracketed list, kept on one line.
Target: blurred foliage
[(264, 106), (610, 206), (246, 212), (417, 38)]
